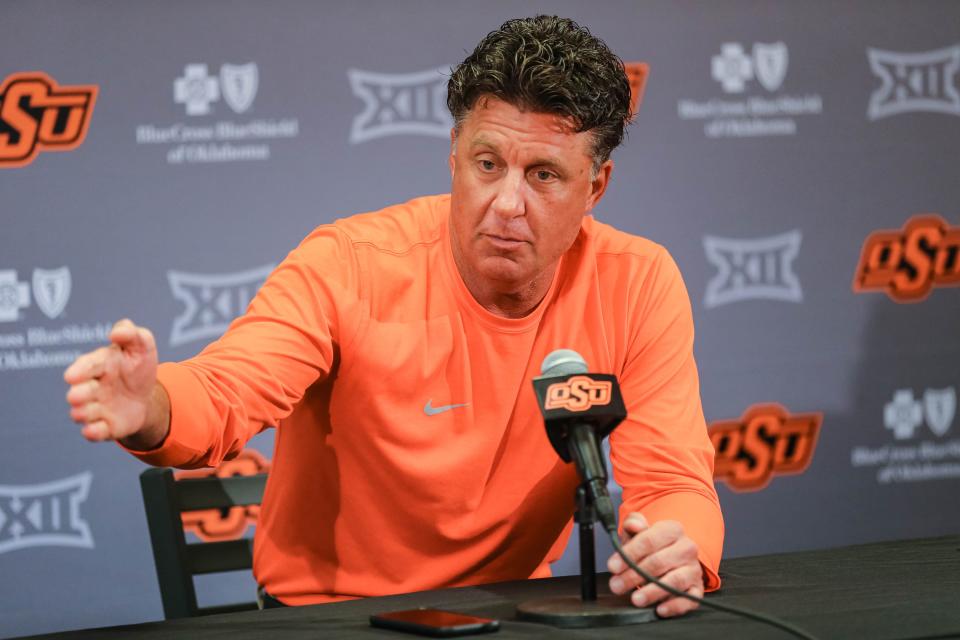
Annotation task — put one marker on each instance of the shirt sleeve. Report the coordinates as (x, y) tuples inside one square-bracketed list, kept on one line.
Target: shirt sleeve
[(254, 375), (662, 456)]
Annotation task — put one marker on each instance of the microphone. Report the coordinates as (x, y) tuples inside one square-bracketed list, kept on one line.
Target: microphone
[(579, 410)]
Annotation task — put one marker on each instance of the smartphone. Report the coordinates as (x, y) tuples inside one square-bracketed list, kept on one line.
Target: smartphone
[(433, 622)]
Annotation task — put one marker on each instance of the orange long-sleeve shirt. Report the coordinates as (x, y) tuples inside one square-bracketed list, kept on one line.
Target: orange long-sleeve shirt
[(357, 340)]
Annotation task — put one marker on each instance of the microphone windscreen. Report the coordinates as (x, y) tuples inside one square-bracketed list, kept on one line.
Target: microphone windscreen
[(563, 362)]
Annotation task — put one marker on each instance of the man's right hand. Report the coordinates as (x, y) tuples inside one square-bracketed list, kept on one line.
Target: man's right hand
[(114, 392)]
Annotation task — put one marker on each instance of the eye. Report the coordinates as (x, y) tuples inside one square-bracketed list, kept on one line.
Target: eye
[(487, 165), (542, 175)]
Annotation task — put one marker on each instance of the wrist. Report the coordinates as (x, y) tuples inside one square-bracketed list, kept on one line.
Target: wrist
[(156, 425)]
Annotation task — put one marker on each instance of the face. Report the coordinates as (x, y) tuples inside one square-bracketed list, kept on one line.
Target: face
[(522, 183)]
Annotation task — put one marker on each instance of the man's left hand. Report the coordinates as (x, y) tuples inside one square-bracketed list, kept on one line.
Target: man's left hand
[(664, 551)]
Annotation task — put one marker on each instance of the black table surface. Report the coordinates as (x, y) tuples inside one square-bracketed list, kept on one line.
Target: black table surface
[(881, 591)]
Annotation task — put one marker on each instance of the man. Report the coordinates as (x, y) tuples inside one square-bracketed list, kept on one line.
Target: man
[(394, 352)]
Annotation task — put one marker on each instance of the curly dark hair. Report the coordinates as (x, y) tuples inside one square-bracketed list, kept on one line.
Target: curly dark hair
[(548, 64)]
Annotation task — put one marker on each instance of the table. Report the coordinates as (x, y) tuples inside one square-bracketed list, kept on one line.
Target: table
[(881, 591)]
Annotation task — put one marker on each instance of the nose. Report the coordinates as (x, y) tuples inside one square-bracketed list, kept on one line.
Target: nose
[(508, 202)]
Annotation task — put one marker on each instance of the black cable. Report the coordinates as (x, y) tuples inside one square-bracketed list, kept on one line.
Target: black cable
[(746, 613)]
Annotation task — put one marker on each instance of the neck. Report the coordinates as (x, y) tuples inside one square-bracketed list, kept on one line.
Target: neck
[(508, 300), (513, 304)]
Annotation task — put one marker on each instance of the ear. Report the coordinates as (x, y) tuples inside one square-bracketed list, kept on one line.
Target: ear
[(453, 151), (599, 185)]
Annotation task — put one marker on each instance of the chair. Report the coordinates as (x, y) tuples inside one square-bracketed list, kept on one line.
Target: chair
[(164, 498)]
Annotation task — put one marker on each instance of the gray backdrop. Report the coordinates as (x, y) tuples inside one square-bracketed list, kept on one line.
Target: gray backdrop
[(774, 138)]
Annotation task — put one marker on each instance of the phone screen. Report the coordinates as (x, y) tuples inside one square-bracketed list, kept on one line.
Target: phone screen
[(434, 622)]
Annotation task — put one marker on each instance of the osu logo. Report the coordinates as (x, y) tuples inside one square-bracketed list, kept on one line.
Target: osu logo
[(212, 525), (37, 115), (637, 74), (579, 393), (212, 301), (765, 442), (906, 264)]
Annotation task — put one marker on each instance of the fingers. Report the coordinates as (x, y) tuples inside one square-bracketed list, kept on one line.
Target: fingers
[(646, 541), (88, 366), (123, 331), (96, 431), (125, 337), (685, 578), (129, 337), (87, 412), (83, 392), (111, 386), (634, 524), (679, 606), (663, 551), (660, 553), (96, 420)]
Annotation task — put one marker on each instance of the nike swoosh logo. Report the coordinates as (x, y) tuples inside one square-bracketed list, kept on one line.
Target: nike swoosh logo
[(431, 410)]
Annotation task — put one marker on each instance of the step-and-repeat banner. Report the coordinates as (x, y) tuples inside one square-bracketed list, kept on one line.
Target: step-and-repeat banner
[(799, 160)]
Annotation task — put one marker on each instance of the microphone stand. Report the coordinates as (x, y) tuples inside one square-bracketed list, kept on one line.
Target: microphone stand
[(586, 516), (590, 610)]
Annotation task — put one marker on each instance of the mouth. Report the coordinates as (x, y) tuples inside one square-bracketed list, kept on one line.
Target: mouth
[(504, 242)]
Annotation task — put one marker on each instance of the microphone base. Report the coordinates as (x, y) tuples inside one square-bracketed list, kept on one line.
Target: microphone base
[(570, 612)]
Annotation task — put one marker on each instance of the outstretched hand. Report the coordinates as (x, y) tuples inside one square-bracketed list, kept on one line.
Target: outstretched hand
[(111, 388)]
